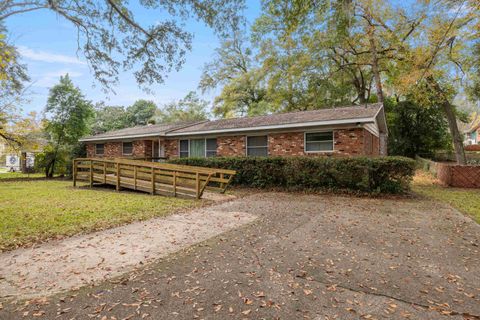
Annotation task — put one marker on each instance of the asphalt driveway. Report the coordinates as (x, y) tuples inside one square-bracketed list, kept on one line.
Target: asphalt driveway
[(305, 257)]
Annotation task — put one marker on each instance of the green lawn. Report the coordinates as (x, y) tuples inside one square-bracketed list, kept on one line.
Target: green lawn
[(19, 175), (465, 200), (32, 211)]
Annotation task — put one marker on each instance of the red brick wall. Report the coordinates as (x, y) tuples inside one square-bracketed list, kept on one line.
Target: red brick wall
[(281, 144), (171, 148), (90, 150), (376, 146), (349, 141), (231, 146), (141, 148), (113, 149)]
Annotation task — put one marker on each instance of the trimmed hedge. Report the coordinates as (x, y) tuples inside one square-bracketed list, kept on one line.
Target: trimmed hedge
[(359, 174)]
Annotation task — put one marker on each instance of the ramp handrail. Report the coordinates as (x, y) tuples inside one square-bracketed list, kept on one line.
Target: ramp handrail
[(153, 177)]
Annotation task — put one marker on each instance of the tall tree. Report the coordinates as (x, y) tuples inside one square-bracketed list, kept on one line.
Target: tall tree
[(140, 113), (234, 67), (68, 117), (440, 58), (112, 39), (190, 108), (108, 118), (13, 77), (283, 53), (416, 129)]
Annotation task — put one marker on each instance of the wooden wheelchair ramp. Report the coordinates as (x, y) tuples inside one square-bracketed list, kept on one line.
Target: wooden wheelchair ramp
[(155, 178)]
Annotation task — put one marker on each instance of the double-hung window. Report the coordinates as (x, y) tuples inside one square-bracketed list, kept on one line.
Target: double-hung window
[(319, 141), (211, 148), (127, 148), (99, 149), (184, 144), (199, 148), (257, 146)]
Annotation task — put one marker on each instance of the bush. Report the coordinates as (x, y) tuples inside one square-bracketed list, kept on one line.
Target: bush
[(362, 174)]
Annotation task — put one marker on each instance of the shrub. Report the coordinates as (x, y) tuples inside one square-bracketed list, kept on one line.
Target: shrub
[(360, 174)]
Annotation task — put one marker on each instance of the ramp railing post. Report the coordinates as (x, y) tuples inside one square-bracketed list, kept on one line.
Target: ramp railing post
[(174, 183), (222, 185), (135, 178), (118, 176), (153, 181), (74, 172), (91, 173), (104, 173), (197, 185)]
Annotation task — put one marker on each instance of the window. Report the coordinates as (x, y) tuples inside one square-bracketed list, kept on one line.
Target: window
[(184, 148), (197, 148), (319, 141), (127, 148), (211, 149), (99, 149), (257, 146)]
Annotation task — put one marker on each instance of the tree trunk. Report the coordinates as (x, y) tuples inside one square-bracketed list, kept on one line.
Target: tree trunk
[(375, 69), (449, 110), (456, 136)]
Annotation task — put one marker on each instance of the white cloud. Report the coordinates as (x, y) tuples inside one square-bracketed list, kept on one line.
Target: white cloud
[(49, 79), (44, 56)]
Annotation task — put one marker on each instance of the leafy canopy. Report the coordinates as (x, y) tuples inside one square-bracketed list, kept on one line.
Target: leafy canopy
[(113, 40), (69, 117), (190, 108)]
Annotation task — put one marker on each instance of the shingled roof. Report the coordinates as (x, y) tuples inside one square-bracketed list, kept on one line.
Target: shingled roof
[(291, 119), (332, 116), (139, 131)]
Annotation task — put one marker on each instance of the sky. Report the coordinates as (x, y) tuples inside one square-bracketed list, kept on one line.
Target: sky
[(47, 44)]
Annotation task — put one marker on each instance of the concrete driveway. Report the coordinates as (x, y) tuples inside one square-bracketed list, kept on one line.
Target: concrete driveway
[(305, 257)]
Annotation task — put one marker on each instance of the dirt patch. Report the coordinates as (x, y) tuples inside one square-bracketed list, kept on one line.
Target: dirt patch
[(86, 259)]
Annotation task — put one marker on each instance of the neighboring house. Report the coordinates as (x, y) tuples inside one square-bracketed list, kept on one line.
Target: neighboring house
[(347, 131), (472, 135)]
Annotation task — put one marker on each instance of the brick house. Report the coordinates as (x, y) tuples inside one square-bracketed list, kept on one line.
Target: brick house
[(346, 131)]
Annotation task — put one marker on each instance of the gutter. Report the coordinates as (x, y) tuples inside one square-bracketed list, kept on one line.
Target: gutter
[(272, 127)]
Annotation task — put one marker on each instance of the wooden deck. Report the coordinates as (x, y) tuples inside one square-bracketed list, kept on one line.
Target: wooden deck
[(155, 178)]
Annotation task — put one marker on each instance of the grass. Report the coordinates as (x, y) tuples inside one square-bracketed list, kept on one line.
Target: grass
[(465, 200), (33, 211), (18, 175)]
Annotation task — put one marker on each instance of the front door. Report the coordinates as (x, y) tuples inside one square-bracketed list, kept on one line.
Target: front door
[(155, 151), (197, 148)]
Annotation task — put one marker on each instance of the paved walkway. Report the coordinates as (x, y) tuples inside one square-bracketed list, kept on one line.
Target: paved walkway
[(304, 257), (77, 261)]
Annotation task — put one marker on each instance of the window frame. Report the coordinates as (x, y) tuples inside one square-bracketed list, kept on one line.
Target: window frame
[(180, 148), (123, 150), (251, 136), (319, 151), (99, 154), (206, 149)]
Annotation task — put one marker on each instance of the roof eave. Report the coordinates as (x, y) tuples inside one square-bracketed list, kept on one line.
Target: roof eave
[(131, 136), (381, 120), (274, 127)]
